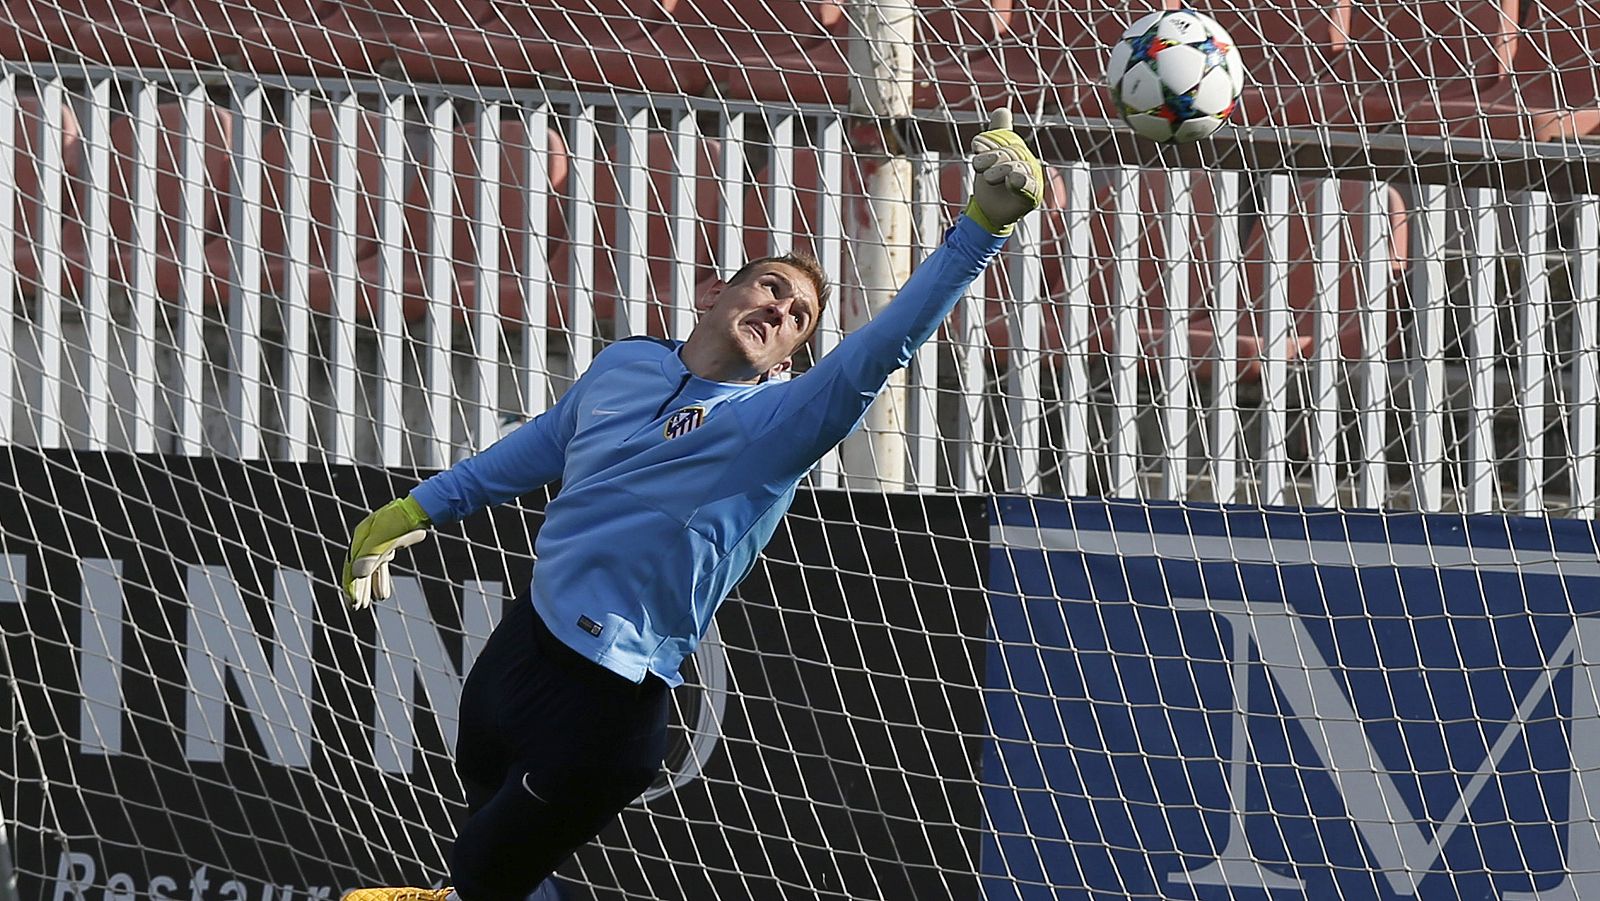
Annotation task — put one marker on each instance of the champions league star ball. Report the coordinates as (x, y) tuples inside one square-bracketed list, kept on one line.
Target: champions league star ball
[(1175, 76)]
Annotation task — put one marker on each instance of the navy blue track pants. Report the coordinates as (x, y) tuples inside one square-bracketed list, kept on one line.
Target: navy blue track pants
[(551, 747)]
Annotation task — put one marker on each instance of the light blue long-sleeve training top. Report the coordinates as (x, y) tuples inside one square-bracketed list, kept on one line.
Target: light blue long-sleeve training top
[(671, 484)]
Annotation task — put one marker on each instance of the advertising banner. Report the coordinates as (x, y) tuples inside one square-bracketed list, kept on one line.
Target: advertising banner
[(193, 714), (1207, 703)]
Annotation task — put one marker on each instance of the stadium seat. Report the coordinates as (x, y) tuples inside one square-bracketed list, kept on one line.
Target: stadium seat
[(42, 31), (27, 183), (353, 39), (821, 73), (1397, 57), (1052, 57), (704, 38), (167, 239), (190, 33), (514, 159), (663, 258), (519, 43), (1300, 285), (1550, 92), (1287, 49)]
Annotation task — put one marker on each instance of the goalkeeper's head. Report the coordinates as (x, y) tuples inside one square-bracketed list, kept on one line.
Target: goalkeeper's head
[(752, 325)]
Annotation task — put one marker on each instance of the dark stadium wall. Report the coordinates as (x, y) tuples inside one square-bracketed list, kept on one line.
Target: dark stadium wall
[(196, 715)]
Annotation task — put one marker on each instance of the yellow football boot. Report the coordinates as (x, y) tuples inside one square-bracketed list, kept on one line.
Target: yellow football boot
[(397, 894)]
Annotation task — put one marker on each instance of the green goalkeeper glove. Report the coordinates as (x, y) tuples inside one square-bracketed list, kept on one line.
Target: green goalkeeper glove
[(397, 524), (1009, 182)]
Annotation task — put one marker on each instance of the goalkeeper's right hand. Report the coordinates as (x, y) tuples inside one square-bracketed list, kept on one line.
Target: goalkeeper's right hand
[(1008, 181), (397, 524)]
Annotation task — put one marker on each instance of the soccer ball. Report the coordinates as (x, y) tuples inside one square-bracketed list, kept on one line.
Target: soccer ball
[(1175, 76)]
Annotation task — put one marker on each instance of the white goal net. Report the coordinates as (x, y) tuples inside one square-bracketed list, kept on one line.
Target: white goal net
[(1233, 536)]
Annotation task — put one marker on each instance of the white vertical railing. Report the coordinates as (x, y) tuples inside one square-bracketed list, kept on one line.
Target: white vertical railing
[(342, 363), (190, 332), (1126, 350), (536, 258), (294, 201), (969, 461), (484, 316), (96, 298), (1427, 361), (780, 184), (438, 314), (632, 251), (1278, 331), (1225, 424), (1025, 334), (1076, 392), (8, 268), (830, 254), (1325, 219), (390, 318), (1372, 384), (922, 381), (1173, 367), (1556, 391), (1482, 245), (584, 146), (47, 329), (684, 222), (1532, 385), (244, 264), (1585, 404)]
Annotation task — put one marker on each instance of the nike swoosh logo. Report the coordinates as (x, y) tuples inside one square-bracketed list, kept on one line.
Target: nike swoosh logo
[(599, 412)]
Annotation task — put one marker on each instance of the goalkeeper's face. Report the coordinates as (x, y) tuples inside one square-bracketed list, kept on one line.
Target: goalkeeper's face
[(752, 326)]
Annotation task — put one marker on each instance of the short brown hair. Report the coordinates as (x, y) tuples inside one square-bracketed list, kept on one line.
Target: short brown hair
[(807, 265)]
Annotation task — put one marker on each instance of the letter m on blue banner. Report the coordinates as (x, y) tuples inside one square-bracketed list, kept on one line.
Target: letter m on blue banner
[(1206, 703)]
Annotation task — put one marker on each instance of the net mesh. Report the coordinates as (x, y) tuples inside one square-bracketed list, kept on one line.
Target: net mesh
[(264, 265)]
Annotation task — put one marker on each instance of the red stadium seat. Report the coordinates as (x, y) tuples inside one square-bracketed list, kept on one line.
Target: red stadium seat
[(1300, 285), (662, 256), (352, 39), (1052, 57), (42, 29), (515, 42), (1399, 54), (515, 148), (1287, 49), (704, 38), (1550, 92), (820, 73), (27, 182), (181, 34)]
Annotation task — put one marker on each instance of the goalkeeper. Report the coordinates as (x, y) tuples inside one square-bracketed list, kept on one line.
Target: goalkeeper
[(676, 460)]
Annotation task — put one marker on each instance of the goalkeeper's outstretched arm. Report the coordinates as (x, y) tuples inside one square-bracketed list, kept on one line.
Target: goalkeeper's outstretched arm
[(806, 417), (529, 457)]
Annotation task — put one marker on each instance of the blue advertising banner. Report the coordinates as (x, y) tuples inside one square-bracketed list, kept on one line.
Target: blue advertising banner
[(1205, 703)]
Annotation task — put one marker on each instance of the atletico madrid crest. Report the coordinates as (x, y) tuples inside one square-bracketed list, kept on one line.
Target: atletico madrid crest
[(684, 421)]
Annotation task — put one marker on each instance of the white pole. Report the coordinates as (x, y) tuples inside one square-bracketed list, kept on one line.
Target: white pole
[(881, 38)]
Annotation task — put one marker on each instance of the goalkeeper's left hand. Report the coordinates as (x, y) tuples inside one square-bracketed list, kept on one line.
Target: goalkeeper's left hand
[(1008, 182), (397, 524)]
